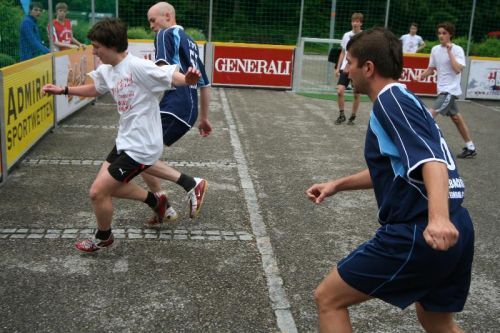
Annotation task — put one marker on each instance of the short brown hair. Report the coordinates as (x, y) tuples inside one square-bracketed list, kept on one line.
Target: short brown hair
[(111, 33), (357, 16), (448, 26), (61, 5)]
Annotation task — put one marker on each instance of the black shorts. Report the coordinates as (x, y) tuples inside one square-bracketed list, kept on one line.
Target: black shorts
[(343, 79), (173, 129), (122, 167)]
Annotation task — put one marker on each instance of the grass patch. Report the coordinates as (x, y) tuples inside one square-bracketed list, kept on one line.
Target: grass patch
[(332, 97)]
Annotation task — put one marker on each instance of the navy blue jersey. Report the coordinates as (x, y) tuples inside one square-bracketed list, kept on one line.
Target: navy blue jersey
[(174, 47), (401, 137)]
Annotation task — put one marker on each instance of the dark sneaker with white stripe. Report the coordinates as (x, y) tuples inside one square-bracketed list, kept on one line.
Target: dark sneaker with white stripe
[(467, 153)]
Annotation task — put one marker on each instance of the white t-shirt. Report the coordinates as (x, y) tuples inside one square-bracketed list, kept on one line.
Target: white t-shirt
[(447, 80), (345, 39), (137, 86), (411, 43)]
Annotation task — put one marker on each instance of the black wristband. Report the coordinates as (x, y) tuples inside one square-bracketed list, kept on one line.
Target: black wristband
[(65, 92)]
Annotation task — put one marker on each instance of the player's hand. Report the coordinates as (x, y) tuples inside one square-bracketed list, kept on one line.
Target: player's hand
[(318, 192), (205, 127), (441, 234), (337, 72), (52, 90), (192, 76), (449, 46)]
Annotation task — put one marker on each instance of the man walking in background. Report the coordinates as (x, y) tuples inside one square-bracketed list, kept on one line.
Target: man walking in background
[(448, 59), (356, 23), (179, 107)]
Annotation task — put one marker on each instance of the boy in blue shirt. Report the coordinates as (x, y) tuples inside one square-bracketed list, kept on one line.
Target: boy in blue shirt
[(422, 253), (30, 43)]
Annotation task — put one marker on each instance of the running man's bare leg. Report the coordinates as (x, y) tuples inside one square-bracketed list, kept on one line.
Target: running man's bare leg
[(160, 170), (459, 121), (355, 104), (437, 322), (333, 297)]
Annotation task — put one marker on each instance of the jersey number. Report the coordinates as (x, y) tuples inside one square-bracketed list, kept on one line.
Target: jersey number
[(450, 162)]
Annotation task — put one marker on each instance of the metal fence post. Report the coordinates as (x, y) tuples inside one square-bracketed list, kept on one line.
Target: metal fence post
[(300, 21), (333, 15), (470, 26), (387, 6), (210, 17)]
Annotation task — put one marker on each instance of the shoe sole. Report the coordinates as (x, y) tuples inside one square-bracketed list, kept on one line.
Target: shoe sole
[(101, 249), (198, 209)]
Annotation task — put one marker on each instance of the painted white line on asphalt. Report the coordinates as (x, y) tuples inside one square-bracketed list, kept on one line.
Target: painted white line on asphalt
[(493, 108), (277, 294)]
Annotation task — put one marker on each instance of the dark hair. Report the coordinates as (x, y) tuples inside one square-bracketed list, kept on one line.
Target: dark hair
[(381, 47), (111, 33), (35, 5), (448, 26), (413, 24)]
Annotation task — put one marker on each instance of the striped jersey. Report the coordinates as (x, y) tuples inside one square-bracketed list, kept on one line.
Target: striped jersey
[(174, 47), (401, 137)]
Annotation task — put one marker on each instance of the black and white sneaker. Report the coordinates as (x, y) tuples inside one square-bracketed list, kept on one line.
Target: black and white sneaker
[(340, 119), (467, 153), (351, 120)]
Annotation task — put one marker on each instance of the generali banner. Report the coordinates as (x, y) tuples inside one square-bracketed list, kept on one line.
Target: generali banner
[(413, 65), (249, 65)]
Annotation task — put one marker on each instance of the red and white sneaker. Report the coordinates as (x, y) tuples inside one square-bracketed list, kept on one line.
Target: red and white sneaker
[(93, 244), (161, 206), (196, 196), (170, 216)]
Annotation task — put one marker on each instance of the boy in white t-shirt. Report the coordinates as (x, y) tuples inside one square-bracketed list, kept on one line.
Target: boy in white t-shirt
[(412, 43), (136, 85), (343, 82), (448, 60)]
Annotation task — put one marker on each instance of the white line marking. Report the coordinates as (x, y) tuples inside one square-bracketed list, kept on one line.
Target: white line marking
[(493, 108), (277, 294)]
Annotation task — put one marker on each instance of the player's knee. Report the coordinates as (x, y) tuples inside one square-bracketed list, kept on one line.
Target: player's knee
[(455, 118), (325, 298), (340, 90), (95, 193)]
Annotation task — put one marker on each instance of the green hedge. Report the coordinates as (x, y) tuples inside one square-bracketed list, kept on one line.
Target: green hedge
[(490, 47)]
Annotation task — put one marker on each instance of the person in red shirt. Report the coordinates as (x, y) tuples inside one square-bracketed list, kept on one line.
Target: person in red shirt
[(62, 33)]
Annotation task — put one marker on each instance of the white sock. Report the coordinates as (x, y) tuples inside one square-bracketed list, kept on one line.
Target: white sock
[(470, 145)]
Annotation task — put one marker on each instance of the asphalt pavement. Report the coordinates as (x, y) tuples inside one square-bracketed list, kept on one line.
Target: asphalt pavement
[(251, 261)]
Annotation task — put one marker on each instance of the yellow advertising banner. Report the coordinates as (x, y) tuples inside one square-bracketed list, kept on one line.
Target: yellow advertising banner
[(28, 115)]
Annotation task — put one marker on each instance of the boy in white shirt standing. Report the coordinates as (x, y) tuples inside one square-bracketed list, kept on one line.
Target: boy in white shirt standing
[(136, 85), (356, 23), (412, 43), (448, 60)]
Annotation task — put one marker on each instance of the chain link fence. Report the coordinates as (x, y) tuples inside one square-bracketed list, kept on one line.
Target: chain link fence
[(269, 22)]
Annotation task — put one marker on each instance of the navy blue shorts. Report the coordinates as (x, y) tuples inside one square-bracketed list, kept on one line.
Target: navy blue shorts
[(173, 129), (400, 268)]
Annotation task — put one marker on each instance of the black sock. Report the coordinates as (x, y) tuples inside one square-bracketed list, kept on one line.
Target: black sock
[(187, 182), (103, 234), (151, 200)]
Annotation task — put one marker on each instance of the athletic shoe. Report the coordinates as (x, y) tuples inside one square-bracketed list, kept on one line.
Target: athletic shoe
[(170, 216), (351, 120), (467, 153), (196, 196), (161, 206), (340, 119), (93, 244)]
